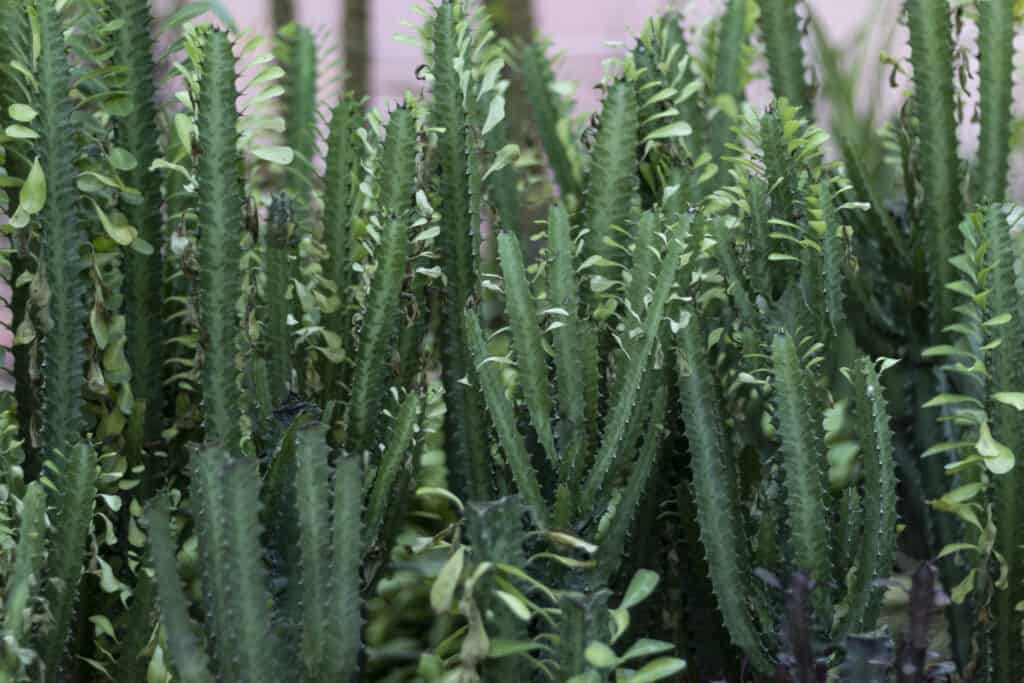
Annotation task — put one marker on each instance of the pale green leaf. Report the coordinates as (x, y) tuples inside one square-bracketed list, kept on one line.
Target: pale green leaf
[(1010, 398), (640, 588), (601, 656), (32, 196), (495, 113), (20, 132), (442, 593), (679, 129), (275, 154), (22, 113), (999, 459), (116, 226), (658, 670)]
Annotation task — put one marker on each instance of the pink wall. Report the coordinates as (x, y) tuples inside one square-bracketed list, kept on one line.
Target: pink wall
[(579, 28)]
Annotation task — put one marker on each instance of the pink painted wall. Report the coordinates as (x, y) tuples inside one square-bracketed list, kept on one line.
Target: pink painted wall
[(579, 28)]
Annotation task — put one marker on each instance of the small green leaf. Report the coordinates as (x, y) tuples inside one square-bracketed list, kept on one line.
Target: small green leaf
[(22, 113), (20, 132), (963, 494), (998, 320), (103, 626), (679, 129), (141, 246), (504, 648), (25, 333), (657, 670), (122, 159), (601, 656), (183, 126), (646, 647), (998, 457), (118, 105), (442, 593), (276, 154), (506, 155), (956, 548), (517, 606), (950, 399), (495, 113), (116, 226), (32, 196), (100, 329), (945, 350), (1010, 398), (945, 446), (640, 588), (964, 588)]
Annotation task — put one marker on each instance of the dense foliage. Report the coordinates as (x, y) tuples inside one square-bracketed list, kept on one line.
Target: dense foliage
[(687, 390)]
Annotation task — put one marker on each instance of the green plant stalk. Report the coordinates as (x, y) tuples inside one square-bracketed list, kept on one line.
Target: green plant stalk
[(780, 29), (718, 515), (622, 410), (206, 488), (312, 501), (24, 579), (221, 225), (340, 193), (277, 241), (644, 263), (875, 544), (612, 548), (397, 172), (995, 72), (411, 346), (834, 255), (344, 630), (389, 470), (613, 170), (76, 481), (282, 12), (661, 56), (135, 631), (503, 416), (281, 518), (582, 620), (186, 649), (61, 237), (143, 274), (728, 79), (502, 186), (567, 343), (1007, 375), (254, 649), (778, 162), (397, 175), (297, 53), (464, 419), (725, 252), (531, 358), (547, 111), (383, 313), (14, 46), (932, 60), (495, 536), (803, 465)]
